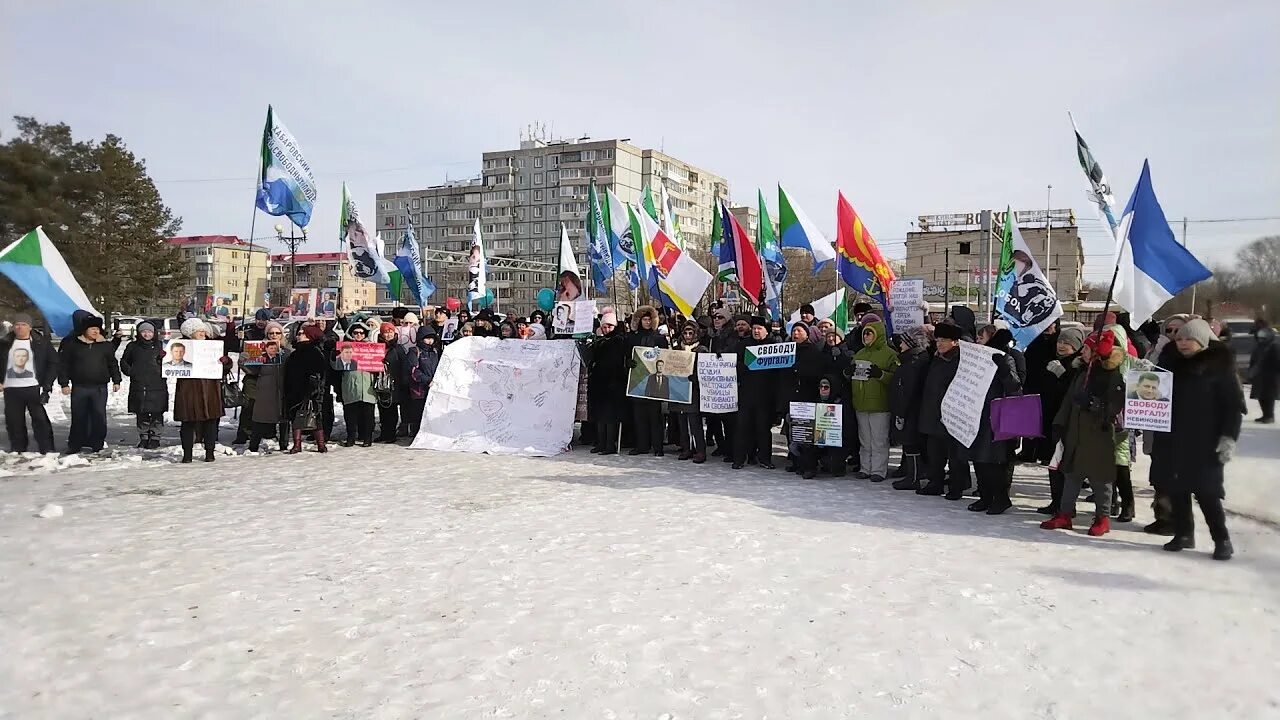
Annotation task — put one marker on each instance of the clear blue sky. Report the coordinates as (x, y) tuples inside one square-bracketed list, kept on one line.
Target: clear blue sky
[(909, 107)]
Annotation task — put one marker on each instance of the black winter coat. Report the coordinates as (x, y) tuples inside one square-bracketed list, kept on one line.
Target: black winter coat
[(607, 377), (1264, 369), (985, 448), (305, 377), (1208, 405), (942, 370), (812, 364), (85, 363), (907, 391), (1038, 355), (1053, 392), (394, 362), (44, 360), (148, 390), (761, 388)]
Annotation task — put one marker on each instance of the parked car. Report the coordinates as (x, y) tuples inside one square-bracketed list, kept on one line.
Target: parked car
[(1237, 333)]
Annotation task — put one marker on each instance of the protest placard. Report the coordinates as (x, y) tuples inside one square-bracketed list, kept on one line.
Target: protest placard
[(771, 356), (661, 375), (861, 370), (906, 298), (965, 398), (220, 307), (185, 358), (573, 318), (1148, 401), (800, 422), (717, 383), (828, 425), (363, 356), (327, 306), (302, 303)]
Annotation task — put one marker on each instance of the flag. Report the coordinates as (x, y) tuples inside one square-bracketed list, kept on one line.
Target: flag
[(679, 278), (775, 265), (569, 273), (858, 260), (1153, 267), (1100, 194), (363, 251), (476, 271), (286, 185), (409, 266), (717, 227), (604, 254), (648, 204), (644, 257), (833, 307), (798, 231), (619, 227), (1024, 296), (33, 264), (669, 224), (738, 260)]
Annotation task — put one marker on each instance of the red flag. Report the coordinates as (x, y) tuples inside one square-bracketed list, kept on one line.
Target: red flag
[(858, 258), (750, 273)]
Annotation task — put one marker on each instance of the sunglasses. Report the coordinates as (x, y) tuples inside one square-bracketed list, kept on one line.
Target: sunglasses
[(275, 332)]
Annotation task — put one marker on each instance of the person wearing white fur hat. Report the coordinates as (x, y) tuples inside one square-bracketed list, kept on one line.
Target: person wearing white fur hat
[(197, 402)]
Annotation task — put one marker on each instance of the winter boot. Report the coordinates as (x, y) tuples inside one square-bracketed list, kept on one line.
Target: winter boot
[(684, 455), (698, 458), (980, 505), (911, 473), (1124, 487), (142, 440), (1061, 521), (320, 446), (208, 456), (901, 470), (1180, 543), (931, 489), (1101, 526), (297, 442), (1159, 527), (999, 505), (1223, 550)]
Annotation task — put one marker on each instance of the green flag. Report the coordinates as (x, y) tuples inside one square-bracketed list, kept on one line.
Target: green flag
[(840, 316), (649, 206), (717, 227)]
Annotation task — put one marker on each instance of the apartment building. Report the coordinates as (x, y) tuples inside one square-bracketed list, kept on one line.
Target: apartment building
[(522, 196), (320, 270), (220, 265)]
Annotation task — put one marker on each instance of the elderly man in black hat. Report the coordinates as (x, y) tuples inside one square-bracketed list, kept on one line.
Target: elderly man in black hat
[(759, 397), (940, 448)]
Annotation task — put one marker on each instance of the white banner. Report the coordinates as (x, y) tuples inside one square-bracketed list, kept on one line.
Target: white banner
[(1148, 401), (905, 299), (717, 383), (503, 397), (192, 359), (967, 395), (574, 318)]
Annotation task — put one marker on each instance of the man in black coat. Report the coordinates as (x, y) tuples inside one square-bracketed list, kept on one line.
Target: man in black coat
[(727, 335), (904, 404), (86, 363), (1264, 370), (607, 383), (28, 368), (940, 448), (758, 400)]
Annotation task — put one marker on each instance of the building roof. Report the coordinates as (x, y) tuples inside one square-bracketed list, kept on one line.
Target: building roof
[(304, 258), (211, 240)]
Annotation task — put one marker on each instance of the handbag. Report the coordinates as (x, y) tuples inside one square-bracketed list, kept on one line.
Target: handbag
[(306, 418), (231, 395), (382, 388), (1016, 416)]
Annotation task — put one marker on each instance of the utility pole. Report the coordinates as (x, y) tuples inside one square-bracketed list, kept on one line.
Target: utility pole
[(984, 302), (946, 278), (1048, 237), (292, 242)]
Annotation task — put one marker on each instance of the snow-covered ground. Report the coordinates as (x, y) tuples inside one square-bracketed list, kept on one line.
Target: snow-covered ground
[(397, 583)]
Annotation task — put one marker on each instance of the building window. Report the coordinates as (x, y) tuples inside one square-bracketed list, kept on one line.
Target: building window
[(537, 196), (471, 198), (416, 203), (520, 163), (537, 211), (537, 178), (588, 155), (537, 162), (607, 154), (520, 181), (522, 196), (553, 177), (537, 228)]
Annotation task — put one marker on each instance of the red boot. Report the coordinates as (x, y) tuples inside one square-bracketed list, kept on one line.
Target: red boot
[(319, 435), (297, 442), (1101, 526), (1061, 521)]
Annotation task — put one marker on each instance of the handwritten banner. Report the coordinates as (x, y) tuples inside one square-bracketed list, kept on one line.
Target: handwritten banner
[(574, 318), (967, 395), (905, 299), (819, 424), (771, 356), (363, 356), (717, 383)]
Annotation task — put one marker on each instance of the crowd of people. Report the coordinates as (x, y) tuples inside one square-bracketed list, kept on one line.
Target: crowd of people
[(891, 389)]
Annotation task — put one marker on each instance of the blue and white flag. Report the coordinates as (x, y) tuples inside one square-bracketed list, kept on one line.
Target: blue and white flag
[(409, 262), (286, 186), (1153, 267), (798, 231), (1024, 296), (33, 264), (605, 256)]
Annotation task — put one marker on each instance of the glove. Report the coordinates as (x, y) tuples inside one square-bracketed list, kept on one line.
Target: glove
[(875, 372), (44, 396), (899, 423), (1142, 364), (1056, 368), (226, 361), (1226, 448)]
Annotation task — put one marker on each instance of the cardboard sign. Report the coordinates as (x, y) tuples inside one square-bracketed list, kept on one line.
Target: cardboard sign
[(573, 318), (905, 299), (1148, 403), (967, 394), (260, 352), (772, 356), (661, 375), (302, 303), (717, 383), (363, 356), (327, 305), (192, 359), (820, 424)]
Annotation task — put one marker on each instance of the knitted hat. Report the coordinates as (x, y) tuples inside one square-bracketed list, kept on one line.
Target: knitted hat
[(411, 318), (806, 308), (1072, 336), (386, 326), (609, 318), (273, 325), (142, 327), (947, 331), (22, 318), (868, 319), (262, 314), (191, 326), (313, 333), (1197, 330)]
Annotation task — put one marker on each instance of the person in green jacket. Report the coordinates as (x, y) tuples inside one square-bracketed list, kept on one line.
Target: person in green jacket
[(872, 376), (358, 397)]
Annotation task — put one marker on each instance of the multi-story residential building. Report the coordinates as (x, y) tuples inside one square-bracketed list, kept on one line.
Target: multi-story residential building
[(954, 247), (522, 197), (320, 270), (220, 265)]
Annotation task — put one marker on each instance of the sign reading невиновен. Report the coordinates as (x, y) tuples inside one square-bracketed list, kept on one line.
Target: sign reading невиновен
[(771, 356)]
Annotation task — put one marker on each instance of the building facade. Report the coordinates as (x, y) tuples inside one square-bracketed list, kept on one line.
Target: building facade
[(952, 250), (220, 265), (319, 271), (523, 196)]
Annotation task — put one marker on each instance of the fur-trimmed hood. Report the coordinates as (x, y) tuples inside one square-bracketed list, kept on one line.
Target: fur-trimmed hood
[(642, 311), (1217, 358)]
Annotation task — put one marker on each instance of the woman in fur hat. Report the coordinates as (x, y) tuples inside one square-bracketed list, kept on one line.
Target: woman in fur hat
[(197, 402)]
